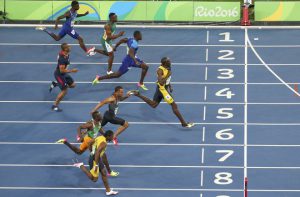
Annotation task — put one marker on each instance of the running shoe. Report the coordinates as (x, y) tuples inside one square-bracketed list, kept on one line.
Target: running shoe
[(142, 86), (113, 174), (111, 192), (91, 51), (56, 108), (109, 72), (78, 165), (40, 28), (96, 80), (61, 141), (189, 125)]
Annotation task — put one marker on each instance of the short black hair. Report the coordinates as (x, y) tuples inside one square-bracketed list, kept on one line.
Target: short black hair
[(95, 113), (111, 14), (74, 3), (164, 59), (135, 33), (63, 45), (118, 88), (108, 133)]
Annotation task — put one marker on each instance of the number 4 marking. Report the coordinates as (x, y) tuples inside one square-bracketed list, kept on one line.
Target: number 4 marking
[(228, 153)]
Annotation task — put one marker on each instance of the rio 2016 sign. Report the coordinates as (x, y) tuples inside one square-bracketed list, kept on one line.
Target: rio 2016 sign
[(216, 12)]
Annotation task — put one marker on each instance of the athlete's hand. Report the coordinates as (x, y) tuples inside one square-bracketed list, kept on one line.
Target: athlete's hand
[(121, 33), (74, 70), (128, 93), (86, 13)]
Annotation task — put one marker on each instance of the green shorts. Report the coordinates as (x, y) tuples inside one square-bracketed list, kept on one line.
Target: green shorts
[(107, 46)]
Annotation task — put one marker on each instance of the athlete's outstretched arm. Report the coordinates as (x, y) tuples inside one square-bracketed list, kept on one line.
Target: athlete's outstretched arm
[(124, 40), (67, 14), (83, 127), (80, 15), (111, 36), (104, 102)]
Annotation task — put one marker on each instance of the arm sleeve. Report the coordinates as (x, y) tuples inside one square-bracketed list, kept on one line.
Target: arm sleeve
[(134, 44)]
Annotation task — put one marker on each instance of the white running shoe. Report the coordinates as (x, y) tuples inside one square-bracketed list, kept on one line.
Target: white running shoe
[(109, 72), (78, 165), (111, 192), (91, 51), (189, 125)]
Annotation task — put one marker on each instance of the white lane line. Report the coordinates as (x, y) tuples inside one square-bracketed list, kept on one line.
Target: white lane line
[(203, 134), (163, 144), (246, 107), (206, 73), (204, 112), (207, 36), (202, 155), (152, 82), (123, 144), (205, 93), (124, 189), (206, 55), (202, 178), (154, 123), (268, 68)]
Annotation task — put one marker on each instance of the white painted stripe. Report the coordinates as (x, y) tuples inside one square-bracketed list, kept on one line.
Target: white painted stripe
[(153, 123), (203, 134), (202, 178), (205, 93), (246, 107), (175, 63), (120, 189), (152, 82), (206, 55), (206, 73), (122, 144), (202, 155), (124, 166), (204, 112), (207, 36), (263, 62)]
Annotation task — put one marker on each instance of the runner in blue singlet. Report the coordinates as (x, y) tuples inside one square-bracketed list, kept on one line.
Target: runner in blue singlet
[(67, 27)]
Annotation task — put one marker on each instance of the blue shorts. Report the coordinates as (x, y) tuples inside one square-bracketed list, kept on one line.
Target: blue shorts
[(127, 63), (68, 30), (63, 80)]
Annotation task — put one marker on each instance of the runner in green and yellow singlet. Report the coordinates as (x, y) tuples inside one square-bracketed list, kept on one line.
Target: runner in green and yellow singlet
[(107, 38)]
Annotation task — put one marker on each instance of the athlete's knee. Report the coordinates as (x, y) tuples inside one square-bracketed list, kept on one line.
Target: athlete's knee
[(126, 124), (80, 39), (73, 85), (145, 66), (111, 54)]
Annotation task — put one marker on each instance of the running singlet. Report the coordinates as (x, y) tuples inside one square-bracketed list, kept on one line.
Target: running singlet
[(70, 21), (97, 143), (94, 133), (62, 60), (113, 108), (165, 73), (132, 43), (112, 28)]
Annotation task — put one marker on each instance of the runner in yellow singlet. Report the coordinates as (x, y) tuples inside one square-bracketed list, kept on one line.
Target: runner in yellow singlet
[(96, 161), (164, 90), (85, 134)]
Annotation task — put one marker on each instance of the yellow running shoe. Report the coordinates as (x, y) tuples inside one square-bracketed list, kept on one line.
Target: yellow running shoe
[(142, 86), (113, 174), (61, 141), (96, 80)]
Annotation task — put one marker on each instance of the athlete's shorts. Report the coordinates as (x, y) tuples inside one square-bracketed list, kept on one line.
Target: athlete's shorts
[(85, 144), (107, 46), (68, 30), (109, 117), (92, 163), (127, 63), (162, 93), (63, 80)]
